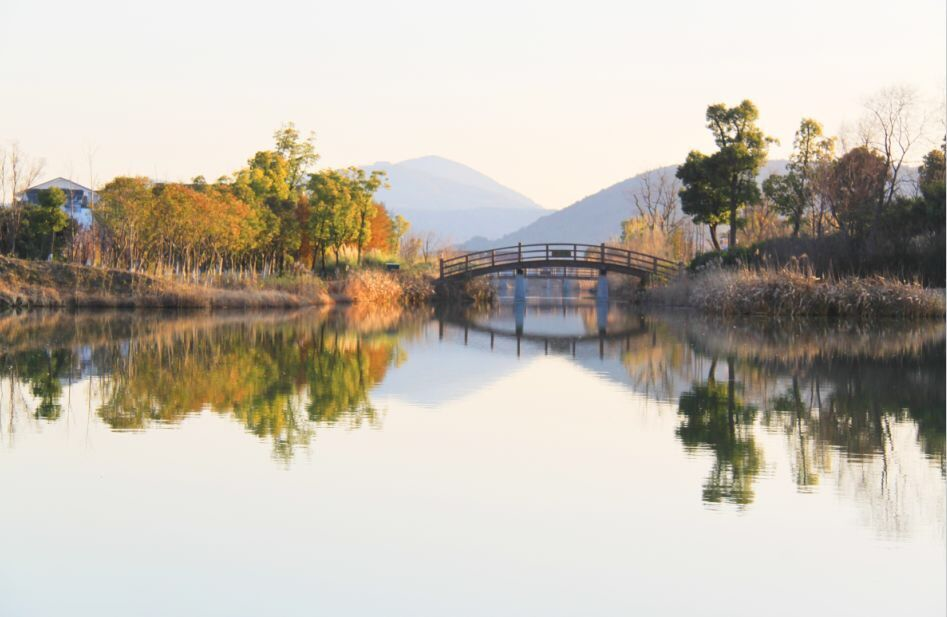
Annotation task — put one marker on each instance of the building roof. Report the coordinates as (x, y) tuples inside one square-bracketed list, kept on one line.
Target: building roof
[(60, 183)]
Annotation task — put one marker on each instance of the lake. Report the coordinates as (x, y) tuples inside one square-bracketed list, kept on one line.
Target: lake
[(555, 458)]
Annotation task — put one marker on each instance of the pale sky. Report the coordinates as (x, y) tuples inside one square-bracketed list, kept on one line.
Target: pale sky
[(555, 101)]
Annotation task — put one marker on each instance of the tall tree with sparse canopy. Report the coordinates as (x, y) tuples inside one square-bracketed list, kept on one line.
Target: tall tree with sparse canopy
[(792, 193)]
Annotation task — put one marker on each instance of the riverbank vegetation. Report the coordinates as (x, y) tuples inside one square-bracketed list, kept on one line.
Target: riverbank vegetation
[(276, 232), (27, 283), (273, 216), (849, 205), (796, 290)]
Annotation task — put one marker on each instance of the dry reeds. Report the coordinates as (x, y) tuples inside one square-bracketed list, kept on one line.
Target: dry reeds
[(794, 290), (42, 284)]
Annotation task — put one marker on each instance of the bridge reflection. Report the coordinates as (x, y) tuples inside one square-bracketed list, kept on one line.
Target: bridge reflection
[(596, 324)]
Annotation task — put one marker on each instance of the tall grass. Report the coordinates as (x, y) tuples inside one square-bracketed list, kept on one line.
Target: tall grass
[(381, 287), (795, 290), (31, 283)]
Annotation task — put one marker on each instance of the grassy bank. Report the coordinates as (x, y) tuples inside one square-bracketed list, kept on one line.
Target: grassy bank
[(792, 291), (49, 284)]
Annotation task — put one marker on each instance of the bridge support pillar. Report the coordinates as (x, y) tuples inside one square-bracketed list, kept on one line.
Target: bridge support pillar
[(601, 293), (519, 294), (601, 317)]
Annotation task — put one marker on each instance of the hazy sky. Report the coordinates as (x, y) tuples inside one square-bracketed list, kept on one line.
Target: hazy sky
[(556, 101)]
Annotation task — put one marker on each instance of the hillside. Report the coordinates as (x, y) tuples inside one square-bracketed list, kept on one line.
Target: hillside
[(596, 218), (452, 200)]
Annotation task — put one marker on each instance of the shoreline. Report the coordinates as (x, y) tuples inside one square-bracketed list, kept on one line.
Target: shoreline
[(28, 284), (789, 292)]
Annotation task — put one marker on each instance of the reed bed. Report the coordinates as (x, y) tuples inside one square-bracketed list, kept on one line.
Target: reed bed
[(475, 291), (386, 288), (44, 284), (793, 290)]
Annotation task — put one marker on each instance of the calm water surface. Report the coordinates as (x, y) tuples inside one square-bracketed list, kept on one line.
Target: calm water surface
[(553, 459)]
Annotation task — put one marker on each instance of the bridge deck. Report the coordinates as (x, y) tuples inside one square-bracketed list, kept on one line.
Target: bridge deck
[(559, 256)]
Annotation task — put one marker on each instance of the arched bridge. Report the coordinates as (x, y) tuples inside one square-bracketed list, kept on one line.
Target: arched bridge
[(558, 259)]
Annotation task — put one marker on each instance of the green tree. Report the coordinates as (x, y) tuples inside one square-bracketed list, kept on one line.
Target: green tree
[(793, 193), (45, 221), (742, 152), (399, 227), (277, 180), (931, 179), (331, 223), (266, 176), (725, 181), (300, 154), (716, 417), (362, 191), (701, 196)]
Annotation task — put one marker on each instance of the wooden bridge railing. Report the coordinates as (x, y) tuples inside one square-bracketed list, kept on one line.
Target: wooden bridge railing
[(552, 254)]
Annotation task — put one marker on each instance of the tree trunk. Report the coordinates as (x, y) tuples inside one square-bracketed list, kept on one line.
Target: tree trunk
[(733, 226), (713, 237)]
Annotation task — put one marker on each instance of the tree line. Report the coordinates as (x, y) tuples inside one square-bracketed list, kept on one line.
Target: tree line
[(858, 194), (858, 203), (274, 215)]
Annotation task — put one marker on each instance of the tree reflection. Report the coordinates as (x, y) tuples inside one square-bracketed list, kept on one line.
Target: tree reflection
[(860, 406), (280, 380), (265, 379), (715, 417), (43, 370)]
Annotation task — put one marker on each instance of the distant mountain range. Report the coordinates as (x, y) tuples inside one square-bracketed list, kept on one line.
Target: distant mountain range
[(453, 200), (466, 208), (594, 219)]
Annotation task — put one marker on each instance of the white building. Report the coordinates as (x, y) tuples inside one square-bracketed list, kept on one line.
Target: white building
[(79, 199)]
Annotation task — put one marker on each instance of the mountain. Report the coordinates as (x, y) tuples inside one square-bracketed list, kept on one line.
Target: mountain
[(594, 219), (452, 200)]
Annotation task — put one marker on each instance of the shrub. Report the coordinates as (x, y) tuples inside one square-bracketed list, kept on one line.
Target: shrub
[(736, 256)]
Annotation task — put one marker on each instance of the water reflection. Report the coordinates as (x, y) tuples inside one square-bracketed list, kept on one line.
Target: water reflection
[(716, 417), (280, 375), (861, 405)]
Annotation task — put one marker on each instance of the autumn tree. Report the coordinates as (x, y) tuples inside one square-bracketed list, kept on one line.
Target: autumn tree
[(277, 179), (852, 188), (124, 211), (381, 225)]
